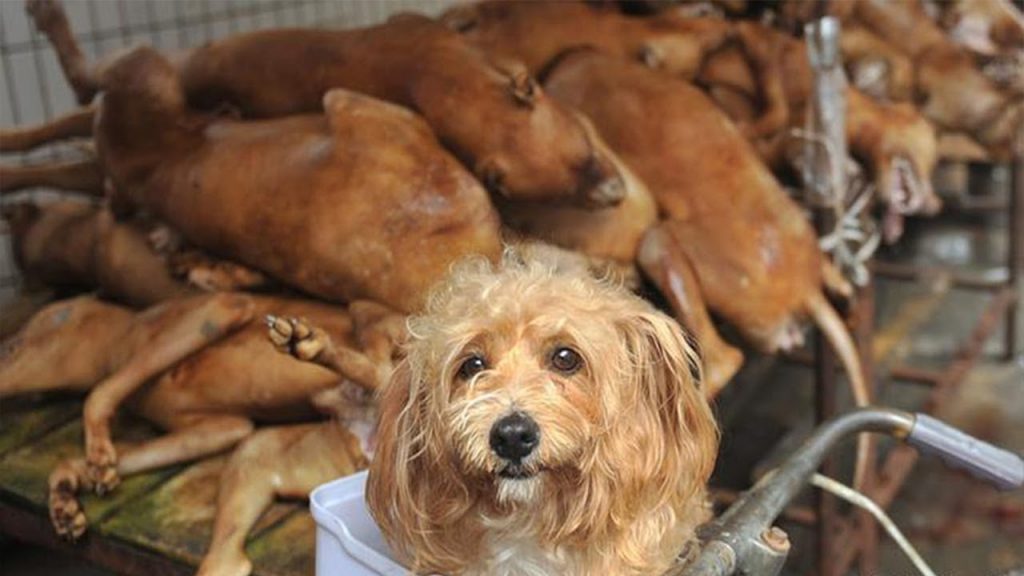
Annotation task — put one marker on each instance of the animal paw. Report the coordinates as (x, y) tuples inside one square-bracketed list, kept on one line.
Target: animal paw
[(223, 563), (44, 13), (296, 337), (164, 240), (101, 466), (66, 513), (225, 276)]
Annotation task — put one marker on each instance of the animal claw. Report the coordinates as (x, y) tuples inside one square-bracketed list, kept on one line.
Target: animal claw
[(66, 513), (296, 337), (280, 332), (101, 467)]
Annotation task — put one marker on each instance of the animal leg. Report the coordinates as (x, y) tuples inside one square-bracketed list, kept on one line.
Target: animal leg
[(665, 262), (202, 437), (879, 69), (77, 124), (213, 275), (166, 345), (834, 281), (300, 339), (763, 56), (83, 176), (65, 346), (51, 20), (287, 462), (834, 329), (379, 329)]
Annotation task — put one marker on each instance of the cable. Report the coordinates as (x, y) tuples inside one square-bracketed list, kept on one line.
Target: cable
[(857, 499)]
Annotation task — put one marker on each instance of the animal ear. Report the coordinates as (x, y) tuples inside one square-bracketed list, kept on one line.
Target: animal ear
[(525, 89), (670, 395), (492, 172), (413, 491), (341, 106), (651, 56), (462, 18), (521, 84), (662, 408), (391, 493)]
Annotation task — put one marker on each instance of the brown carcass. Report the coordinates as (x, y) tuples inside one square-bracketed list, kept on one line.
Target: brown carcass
[(950, 87), (358, 202), (987, 27), (767, 85), (80, 246), (489, 112), (762, 77), (731, 240), (536, 32), (202, 369)]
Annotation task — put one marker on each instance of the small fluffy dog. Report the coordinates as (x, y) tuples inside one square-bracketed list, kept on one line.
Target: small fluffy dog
[(543, 422)]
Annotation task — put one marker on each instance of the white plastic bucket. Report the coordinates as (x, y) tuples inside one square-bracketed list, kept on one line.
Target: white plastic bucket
[(348, 542)]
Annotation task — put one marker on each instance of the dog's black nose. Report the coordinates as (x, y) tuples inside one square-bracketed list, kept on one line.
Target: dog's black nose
[(514, 436)]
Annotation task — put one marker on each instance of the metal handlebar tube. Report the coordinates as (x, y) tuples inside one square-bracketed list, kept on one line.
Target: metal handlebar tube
[(742, 540), (743, 528)]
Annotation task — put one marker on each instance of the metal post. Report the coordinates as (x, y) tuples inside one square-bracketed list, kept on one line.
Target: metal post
[(1015, 251), (824, 179), (864, 316), (825, 409)]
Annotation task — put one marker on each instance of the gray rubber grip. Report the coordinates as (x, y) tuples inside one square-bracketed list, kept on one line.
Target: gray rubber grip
[(1001, 467)]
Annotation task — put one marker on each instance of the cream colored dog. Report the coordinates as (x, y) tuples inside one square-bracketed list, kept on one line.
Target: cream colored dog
[(542, 422)]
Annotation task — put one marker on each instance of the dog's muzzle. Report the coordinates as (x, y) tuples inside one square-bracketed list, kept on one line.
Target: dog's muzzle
[(514, 437)]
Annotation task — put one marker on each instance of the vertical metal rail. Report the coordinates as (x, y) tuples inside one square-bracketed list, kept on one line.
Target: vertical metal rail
[(1015, 253), (864, 331), (824, 410), (825, 177)]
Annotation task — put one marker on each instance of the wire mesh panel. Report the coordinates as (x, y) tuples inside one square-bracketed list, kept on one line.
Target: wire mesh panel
[(33, 88)]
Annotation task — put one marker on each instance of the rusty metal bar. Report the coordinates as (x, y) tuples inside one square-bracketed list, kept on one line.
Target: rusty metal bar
[(915, 375), (1015, 251), (864, 330), (972, 204), (914, 273), (825, 409), (902, 458), (901, 372)]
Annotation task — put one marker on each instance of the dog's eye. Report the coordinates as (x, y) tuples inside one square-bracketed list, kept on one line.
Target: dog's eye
[(566, 360), (472, 366)]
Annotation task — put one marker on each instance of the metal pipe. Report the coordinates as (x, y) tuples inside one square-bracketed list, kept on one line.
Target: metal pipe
[(741, 527), (1015, 251)]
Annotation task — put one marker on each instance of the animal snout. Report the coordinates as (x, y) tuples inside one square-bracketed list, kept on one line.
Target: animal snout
[(515, 436), (602, 184)]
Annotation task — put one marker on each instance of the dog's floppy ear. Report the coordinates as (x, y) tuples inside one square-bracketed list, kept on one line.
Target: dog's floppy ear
[(660, 406), (414, 492), (670, 403)]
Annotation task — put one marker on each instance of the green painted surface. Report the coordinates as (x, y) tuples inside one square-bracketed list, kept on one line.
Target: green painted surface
[(23, 420), (169, 511), (176, 518), (287, 549), (24, 472)]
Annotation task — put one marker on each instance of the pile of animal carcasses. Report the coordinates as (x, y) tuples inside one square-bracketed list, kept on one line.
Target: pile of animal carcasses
[(328, 179)]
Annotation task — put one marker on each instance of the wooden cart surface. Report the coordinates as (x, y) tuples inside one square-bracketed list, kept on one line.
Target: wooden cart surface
[(153, 524)]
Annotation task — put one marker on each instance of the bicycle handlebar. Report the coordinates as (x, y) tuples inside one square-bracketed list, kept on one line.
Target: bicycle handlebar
[(740, 539)]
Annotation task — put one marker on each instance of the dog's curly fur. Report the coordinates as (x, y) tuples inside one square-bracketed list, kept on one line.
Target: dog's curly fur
[(617, 483)]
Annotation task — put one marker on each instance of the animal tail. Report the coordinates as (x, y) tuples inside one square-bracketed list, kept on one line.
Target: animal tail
[(77, 124), (834, 329)]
